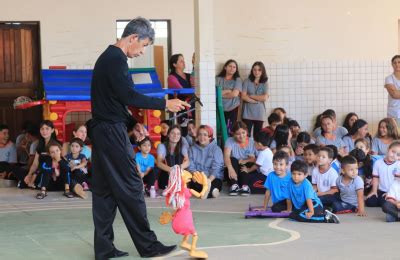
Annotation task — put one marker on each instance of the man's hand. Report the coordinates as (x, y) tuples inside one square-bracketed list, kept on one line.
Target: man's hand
[(176, 105)]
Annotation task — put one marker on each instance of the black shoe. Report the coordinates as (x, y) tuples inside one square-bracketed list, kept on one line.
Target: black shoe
[(160, 251), (117, 253)]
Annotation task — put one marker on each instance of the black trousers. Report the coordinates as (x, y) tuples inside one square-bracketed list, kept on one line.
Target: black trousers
[(149, 179), (116, 183), (391, 209), (279, 206), (242, 177), (216, 183), (257, 126), (329, 199), (300, 214), (375, 201), (230, 119)]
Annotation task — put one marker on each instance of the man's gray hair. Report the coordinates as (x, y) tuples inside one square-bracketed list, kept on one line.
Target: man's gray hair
[(141, 27)]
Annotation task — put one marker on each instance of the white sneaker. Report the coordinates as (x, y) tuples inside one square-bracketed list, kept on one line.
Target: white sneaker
[(331, 218), (234, 190), (245, 191), (215, 193)]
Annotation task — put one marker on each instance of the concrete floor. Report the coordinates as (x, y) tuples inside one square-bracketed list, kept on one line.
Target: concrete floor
[(61, 228)]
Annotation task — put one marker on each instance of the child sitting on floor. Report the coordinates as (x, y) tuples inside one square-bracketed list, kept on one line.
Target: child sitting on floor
[(276, 183), (392, 204), (351, 188), (383, 174), (310, 157), (145, 164), (264, 156), (77, 162), (307, 207), (324, 177), (364, 162)]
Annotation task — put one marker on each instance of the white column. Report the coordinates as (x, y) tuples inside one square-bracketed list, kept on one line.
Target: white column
[(205, 64)]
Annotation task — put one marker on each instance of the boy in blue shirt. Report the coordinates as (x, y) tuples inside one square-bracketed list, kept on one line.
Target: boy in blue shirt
[(307, 207), (277, 183), (145, 163)]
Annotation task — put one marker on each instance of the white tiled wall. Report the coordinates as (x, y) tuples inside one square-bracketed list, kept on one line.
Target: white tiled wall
[(306, 89)]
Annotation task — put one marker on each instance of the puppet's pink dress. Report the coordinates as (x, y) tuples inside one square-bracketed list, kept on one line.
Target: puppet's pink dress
[(183, 221)]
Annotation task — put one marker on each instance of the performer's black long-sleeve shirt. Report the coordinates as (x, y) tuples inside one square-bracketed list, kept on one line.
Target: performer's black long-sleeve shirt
[(112, 92)]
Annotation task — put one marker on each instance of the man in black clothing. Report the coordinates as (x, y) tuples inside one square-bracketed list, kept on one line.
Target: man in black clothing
[(115, 179)]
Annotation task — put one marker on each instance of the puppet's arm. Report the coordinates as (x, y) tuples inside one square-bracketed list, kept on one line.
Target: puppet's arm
[(201, 179), (166, 217)]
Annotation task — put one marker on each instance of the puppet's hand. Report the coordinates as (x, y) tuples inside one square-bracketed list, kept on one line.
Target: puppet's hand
[(202, 179), (165, 218)]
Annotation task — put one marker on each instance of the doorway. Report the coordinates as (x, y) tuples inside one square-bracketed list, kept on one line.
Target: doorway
[(19, 72)]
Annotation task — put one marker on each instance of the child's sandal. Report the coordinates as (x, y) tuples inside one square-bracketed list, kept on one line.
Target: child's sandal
[(68, 194), (41, 195)]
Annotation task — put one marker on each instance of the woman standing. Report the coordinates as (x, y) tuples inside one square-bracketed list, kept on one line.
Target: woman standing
[(254, 95), (229, 80), (392, 85)]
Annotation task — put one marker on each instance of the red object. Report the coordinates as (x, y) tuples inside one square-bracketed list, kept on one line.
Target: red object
[(58, 67), (31, 104)]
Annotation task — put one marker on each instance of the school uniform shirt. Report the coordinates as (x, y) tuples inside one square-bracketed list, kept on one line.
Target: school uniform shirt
[(338, 142), (340, 132), (233, 84), (394, 191), (348, 143), (385, 172), (348, 192), (393, 106), (144, 162), (278, 186), (241, 153), (378, 146), (162, 149), (325, 180), (8, 153), (335, 164), (256, 111), (300, 193), (264, 161)]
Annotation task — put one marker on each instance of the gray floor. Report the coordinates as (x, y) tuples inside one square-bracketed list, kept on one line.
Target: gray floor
[(61, 228)]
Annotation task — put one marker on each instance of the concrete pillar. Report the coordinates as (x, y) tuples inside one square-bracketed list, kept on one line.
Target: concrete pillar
[(205, 64)]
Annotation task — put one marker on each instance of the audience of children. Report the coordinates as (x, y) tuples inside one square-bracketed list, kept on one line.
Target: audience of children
[(339, 181)]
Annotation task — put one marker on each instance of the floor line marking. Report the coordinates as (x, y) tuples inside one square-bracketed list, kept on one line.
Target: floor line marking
[(294, 235)]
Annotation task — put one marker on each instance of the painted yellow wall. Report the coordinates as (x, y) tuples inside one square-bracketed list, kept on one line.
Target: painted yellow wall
[(75, 32)]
